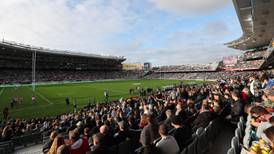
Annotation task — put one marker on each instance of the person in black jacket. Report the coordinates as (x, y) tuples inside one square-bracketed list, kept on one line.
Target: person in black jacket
[(237, 108), (182, 133), (98, 145), (204, 117)]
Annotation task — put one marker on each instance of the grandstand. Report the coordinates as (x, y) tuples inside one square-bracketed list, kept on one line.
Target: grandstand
[(16, 64)]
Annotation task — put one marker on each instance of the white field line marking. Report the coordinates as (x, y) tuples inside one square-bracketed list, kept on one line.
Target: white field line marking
[(42, 96)]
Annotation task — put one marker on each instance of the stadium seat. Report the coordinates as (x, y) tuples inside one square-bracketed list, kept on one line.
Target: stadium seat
[(192, 147), (238, 133), (124, 147), (242, 121), (235, 144), (211, 133), (199, 131), (5, 149), (19, 141), (203, 143), (240, 126), (114, 149), (9, 145), (231, 151), (184, 151)]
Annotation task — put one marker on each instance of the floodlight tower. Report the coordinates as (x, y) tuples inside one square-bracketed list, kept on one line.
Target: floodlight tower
[(33, 70)]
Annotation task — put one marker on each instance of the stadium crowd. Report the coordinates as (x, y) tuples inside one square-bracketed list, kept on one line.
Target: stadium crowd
[(255, 54), (25, 76), (147, 121), (244, 65), (187, 68), (202, 75)]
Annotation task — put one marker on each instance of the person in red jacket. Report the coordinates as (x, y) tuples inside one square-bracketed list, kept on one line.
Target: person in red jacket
[(78, 145)]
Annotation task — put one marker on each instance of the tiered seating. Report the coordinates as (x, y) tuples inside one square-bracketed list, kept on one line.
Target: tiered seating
[(20, 142), (203, 139), (237, 139)]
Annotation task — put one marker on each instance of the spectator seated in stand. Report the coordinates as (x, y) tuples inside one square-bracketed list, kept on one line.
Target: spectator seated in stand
[(167, 144)]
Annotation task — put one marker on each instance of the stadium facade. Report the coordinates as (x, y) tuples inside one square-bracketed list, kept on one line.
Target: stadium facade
[(19, 56), (21, 63)]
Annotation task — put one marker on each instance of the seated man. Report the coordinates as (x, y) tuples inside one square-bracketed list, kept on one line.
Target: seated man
[(237, 108), (98, 145), (167, 144), (149, 132), (204, 117), (122, 134), (107, 136)]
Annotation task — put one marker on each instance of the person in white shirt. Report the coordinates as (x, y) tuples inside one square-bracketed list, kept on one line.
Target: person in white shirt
[(167, 144)]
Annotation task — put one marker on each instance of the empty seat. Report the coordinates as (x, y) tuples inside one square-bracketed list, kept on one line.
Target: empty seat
[(203, 143), (9, 145), (192, 147), (240, 126), (184, 151), (235, 144), (231, 151), (199, 131), (5, 148), (238, 133)]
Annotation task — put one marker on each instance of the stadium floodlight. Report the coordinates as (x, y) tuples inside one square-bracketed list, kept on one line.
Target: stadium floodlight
[(33, 70)]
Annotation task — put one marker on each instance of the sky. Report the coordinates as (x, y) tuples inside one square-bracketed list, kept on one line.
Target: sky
[(163, 32)]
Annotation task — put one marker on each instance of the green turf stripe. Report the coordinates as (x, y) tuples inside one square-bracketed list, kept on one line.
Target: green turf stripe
[(2, 91)]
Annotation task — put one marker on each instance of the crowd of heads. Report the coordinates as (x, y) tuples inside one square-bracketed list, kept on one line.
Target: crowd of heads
[(222, 75), (25, 76), (187, 68), (255, 54), (147, 121)]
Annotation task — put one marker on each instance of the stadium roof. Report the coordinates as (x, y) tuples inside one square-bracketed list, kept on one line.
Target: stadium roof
[(257, 22), (55, 51)]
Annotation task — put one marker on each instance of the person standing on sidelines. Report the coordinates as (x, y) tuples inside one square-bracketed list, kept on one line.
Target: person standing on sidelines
[(6, 113), (67, 101), (106, 94), (75, 105)]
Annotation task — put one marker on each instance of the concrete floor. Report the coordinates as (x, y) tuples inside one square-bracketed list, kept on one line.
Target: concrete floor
[(36, 149)]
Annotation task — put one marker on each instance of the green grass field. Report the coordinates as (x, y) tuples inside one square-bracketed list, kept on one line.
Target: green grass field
[(51, 98)]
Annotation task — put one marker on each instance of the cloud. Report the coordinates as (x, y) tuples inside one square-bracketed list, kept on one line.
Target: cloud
[(130, 28), (56, 24), (189, 6), (200, 45)]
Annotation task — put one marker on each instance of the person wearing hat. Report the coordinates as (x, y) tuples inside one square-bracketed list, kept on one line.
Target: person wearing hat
[(182, 133)]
